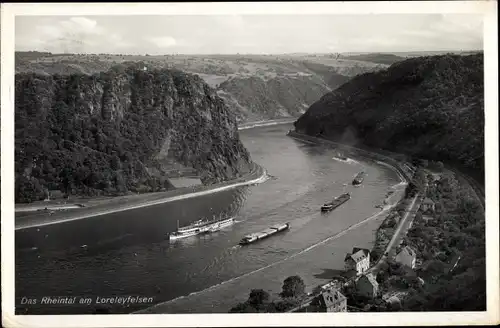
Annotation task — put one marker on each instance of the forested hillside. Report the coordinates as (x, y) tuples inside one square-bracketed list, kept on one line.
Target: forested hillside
[(120, 131), (431, 107)]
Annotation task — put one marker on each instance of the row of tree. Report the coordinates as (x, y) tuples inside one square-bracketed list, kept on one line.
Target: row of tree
[(259, 300)]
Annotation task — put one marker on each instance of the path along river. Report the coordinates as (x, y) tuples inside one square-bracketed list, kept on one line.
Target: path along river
[(126, 253)]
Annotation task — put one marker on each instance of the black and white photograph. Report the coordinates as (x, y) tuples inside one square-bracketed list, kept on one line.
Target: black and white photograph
[(249, 164)]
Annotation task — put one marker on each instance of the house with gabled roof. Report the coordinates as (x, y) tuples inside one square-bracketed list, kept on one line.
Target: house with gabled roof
[(358, 260), (428, 205), (407, 256), (367, 286), (331, 300)]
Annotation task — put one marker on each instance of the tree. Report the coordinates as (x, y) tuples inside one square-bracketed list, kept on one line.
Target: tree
[(258, 297), (293, 286), (116, 163), (418, 217), (243, 308), (423, 163)]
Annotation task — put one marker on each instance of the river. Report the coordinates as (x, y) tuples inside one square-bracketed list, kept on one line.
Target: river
[(126, 253)]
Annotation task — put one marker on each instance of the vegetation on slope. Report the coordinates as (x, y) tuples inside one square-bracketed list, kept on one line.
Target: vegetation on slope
[(120, 131), (278, 97), (455, 231), (430, 107)]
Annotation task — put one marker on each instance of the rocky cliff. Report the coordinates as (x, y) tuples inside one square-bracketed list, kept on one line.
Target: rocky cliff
[(255, 98), (255, 87), (121, 131), (431, 107)]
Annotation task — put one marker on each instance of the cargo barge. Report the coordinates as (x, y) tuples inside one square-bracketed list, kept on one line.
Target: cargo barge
[(358, 179), (336, 202), (252, 238)]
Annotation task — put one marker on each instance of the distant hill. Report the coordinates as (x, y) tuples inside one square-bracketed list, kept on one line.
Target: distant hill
[(119, 131), (378, 58), (431, 107), (255, 87)]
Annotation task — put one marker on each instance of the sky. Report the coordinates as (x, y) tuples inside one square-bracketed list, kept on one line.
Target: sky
[(256, 34)]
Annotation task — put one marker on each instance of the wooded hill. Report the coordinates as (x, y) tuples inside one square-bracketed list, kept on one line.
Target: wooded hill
[(120, 131), (430, 107)]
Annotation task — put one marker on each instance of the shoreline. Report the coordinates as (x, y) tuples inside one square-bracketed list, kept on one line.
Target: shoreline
[(372, 155), (97, 206), (256, 124), (107, 206)]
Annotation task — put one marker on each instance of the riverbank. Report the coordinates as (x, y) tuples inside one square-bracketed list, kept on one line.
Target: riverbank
[(255, 124), (103, 206), (48, 208), (437, 241), (398, 165), (386, 208)]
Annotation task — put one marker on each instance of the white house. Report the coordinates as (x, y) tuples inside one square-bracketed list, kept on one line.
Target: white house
[(359, 260), (407, 257)]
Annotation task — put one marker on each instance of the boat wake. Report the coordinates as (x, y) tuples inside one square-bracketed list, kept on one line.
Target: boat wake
[(401, 177), (265, 177), (399, 185), (305, 250), (347, 161)]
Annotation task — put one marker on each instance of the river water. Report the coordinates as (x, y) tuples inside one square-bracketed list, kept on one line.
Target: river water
[(127, 254)]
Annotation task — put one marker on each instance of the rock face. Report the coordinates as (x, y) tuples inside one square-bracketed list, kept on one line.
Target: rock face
[(121, 131), (255, 98), (431, 107), (255, 87), (287, 93)]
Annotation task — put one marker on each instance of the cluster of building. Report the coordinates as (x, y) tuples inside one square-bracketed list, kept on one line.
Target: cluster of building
[(365, 283), (358, 262)]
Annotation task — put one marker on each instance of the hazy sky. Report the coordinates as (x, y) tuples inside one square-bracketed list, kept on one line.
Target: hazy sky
[(249, 33)]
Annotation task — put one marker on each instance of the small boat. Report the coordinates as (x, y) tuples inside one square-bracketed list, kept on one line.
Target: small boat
[(358, 179), (341, 157)]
